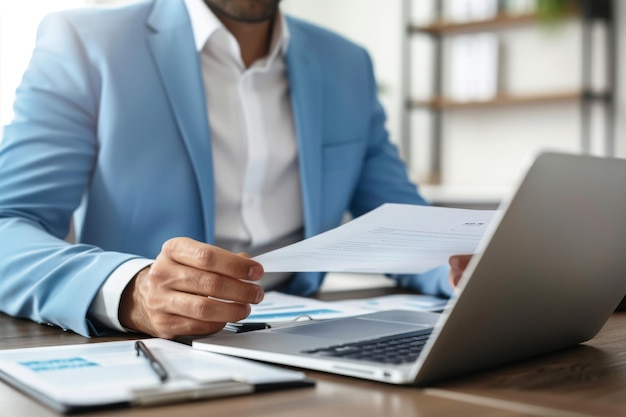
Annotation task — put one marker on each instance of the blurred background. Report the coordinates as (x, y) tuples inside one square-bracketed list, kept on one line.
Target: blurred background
[(472, 88)]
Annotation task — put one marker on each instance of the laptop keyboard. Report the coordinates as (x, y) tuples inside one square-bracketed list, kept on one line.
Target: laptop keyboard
[(396, 349)]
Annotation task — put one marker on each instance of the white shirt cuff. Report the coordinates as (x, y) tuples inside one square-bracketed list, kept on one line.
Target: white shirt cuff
[(106, 304)]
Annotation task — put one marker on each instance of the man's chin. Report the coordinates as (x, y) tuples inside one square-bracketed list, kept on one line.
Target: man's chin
[(246, 11)]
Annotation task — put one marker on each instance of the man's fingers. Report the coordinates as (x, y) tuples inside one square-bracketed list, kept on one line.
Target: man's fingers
[(167, 274), (188, 314), (211, 258), (206, 309), (192, 288), (458, 263), (214, 285)]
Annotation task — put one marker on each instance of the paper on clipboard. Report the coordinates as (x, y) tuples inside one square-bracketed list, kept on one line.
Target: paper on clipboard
[(84, 377), (394, 238)]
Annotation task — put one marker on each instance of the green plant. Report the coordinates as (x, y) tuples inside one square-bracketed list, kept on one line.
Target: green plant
[(552, 11)]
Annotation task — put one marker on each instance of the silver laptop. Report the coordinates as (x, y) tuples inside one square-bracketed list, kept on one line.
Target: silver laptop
[(551, 270)]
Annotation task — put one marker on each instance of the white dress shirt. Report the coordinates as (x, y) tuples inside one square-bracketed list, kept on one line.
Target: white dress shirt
[(258, 203)]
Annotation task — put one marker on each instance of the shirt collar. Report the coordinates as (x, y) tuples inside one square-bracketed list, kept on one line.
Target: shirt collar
[(204, 23)]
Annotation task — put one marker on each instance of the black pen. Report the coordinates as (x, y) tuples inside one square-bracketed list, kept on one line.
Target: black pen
[(156, 366)]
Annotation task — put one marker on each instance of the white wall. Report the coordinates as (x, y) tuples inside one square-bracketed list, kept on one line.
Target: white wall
[(18, 25)]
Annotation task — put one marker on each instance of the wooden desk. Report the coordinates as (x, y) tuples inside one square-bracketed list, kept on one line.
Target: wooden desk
[(587, 380)]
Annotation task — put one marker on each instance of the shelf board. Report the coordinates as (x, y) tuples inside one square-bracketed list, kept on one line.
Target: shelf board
[(499, 100), (498, 22)]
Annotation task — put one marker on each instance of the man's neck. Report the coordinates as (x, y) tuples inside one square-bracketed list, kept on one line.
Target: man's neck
[(253, 38)]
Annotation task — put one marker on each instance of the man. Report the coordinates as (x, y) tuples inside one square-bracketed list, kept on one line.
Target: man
[(182, 134)]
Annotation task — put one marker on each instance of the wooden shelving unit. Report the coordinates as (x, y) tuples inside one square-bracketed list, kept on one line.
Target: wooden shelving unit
[(588, 12), (502, 99), (500, 22)]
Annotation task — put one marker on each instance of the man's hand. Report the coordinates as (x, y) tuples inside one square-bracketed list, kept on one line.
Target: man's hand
[(458, 263), (191, 289)]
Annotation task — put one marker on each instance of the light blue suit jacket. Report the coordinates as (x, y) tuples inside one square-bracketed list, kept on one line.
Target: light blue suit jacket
[(111, 119)]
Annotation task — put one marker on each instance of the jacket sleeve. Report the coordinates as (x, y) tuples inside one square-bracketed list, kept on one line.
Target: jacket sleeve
[(47, 158)]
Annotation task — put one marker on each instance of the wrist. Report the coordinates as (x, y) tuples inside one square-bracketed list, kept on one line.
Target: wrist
[(130, 308)]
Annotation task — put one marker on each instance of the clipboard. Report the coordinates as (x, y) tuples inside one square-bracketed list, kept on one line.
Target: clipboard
[(87, 377)]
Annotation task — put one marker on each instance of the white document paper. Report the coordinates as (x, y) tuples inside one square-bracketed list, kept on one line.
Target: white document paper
[(277, 307), (87, 376), (411, 302), (284, 309), (394, 238)]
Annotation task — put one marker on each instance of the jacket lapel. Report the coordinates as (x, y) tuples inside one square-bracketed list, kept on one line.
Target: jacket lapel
[(306, 100), (305, 85), (172, 45)]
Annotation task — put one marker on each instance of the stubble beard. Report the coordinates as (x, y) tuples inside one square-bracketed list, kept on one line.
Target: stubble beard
[(250, 11)]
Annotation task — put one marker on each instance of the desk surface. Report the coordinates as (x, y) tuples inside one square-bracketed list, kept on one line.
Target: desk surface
[(585, 380)]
